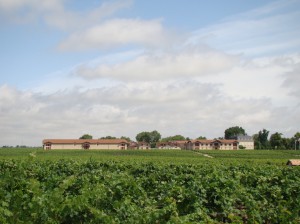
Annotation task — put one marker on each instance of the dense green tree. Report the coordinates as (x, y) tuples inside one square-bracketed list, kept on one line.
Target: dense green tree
[(126, 138), (86, 136), (287, 143), (108, 137), (143, 137), (276, 141), (173, 138), (233, 132), (261, 140), (201, 138), (150, 137), (295, 141), (297, 135)]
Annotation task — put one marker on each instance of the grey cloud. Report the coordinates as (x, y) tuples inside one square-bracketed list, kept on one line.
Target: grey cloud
[(190, 108), (292, 80), (185, 63)]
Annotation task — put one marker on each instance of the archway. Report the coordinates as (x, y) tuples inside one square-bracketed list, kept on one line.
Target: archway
[(86, 145)]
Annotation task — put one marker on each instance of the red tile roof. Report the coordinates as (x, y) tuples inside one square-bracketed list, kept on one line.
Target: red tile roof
[(293, 162), (81, 141)]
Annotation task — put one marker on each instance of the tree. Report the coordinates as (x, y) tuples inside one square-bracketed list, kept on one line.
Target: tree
[(173, 138), (261, 140), (276, 141), (86, 136), (295, 141), (233, 132), (288, 143), (201, 138), (150, 137), (108, 137), (126, 138)]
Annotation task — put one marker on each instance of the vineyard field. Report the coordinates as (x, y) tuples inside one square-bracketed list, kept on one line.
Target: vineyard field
[(278, 157), (154, 186)]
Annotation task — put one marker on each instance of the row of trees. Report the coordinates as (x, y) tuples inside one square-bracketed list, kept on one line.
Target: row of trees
[(261, 139), (276, 141)]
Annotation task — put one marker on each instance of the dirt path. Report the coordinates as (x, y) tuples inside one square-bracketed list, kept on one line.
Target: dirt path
[(203, 154)]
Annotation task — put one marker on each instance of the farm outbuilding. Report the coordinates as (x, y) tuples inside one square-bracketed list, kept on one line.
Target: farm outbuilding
[(293, 162)]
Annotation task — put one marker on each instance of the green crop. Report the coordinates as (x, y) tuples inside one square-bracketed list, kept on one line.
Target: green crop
[(136, 191)]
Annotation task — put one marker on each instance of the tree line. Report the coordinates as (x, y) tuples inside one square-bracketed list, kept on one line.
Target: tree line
[(262, 140)]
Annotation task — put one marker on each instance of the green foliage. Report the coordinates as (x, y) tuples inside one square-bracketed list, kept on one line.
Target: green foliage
[(67, 191), (276, 141), (233, 132), (295, 141), (108, 137), (173, 138), (86, 136), (126, 138), (150, 137), (261, 140), (201, 138)]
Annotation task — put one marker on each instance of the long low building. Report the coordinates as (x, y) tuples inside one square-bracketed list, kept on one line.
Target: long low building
[(85, 144), (200, 144)]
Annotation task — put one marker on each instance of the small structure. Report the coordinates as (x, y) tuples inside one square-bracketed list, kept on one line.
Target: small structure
[(293, 162), (171, 145), (143, 145), (245, 140), (133, 145), (85, 144)]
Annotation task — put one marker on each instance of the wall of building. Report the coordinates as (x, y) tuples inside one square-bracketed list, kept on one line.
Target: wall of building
[(247, 145), (92, 146)]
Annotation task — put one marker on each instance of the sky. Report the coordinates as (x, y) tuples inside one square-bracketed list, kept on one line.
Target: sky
[(120, 67)]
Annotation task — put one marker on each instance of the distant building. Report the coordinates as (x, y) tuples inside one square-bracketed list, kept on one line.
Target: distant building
[(85, 144), (143, 145), (246, 141), (171, 145), (293, 162), (133, 145), (200, 144)]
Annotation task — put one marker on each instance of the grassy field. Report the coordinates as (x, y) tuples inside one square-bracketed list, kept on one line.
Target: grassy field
[(278, 157)]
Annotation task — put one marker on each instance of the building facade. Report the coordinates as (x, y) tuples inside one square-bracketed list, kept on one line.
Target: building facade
[(143, 145), (200, 144), (245, 141), (49, 144)]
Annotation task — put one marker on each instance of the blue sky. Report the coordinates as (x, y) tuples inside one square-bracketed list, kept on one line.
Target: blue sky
[(124, 66)]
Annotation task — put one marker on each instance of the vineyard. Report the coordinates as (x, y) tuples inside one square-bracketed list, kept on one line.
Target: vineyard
[(148, 187)]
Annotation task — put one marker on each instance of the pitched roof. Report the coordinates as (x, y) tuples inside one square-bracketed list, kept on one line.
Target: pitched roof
[(294, 162), (223, 141), (81, 141)]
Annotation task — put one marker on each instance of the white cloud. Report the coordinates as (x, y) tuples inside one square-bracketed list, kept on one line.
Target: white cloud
[(183, 64), (117, 32), (56, 14), (189, 108)]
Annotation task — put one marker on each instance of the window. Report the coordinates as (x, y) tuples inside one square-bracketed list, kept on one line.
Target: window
[(86, 145), (48, 146)]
